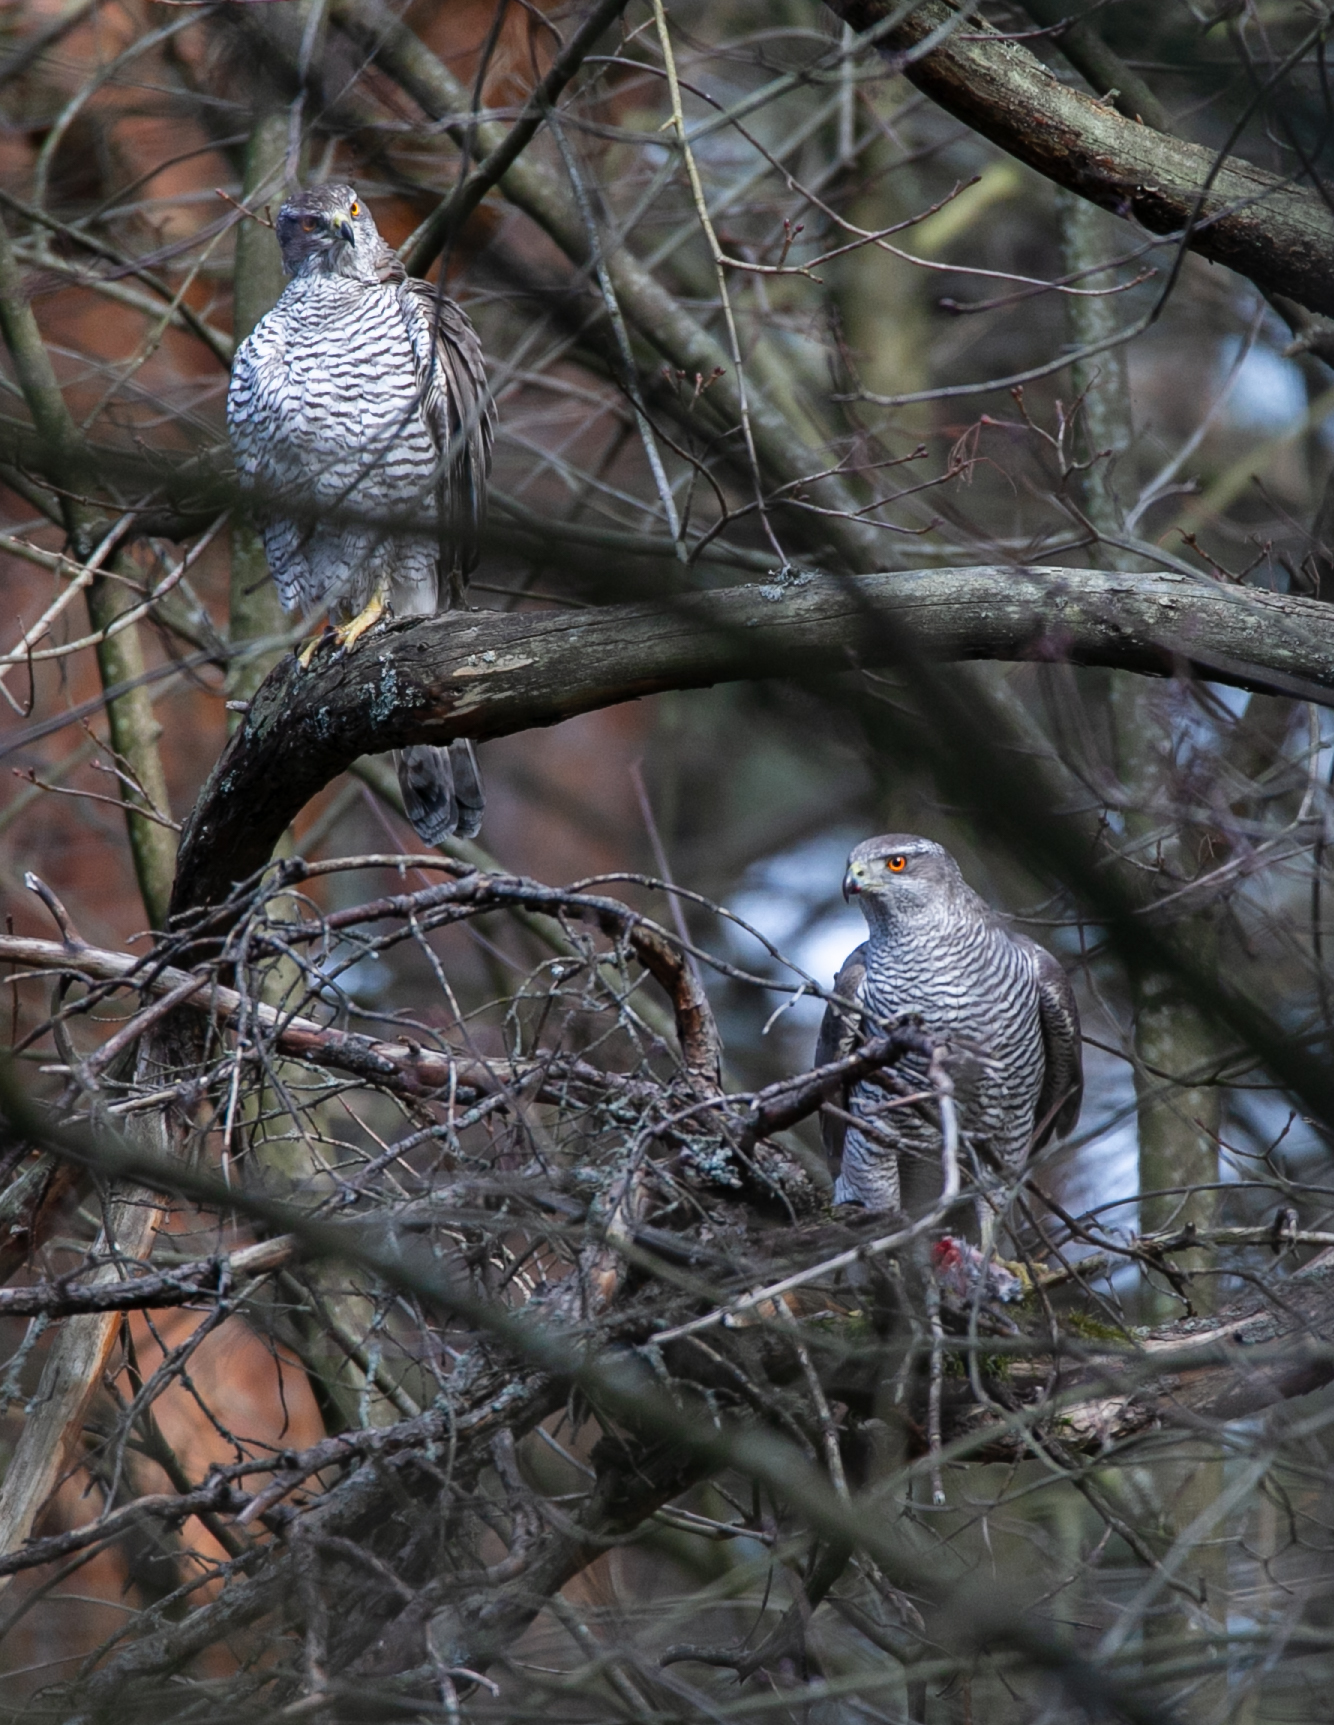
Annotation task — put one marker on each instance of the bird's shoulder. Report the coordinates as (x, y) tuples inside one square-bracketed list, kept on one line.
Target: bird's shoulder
[(432, 315), (840, 1029), (1056, 992), (264, 346), (1062, 1045), (840, 1032), (255, 392)]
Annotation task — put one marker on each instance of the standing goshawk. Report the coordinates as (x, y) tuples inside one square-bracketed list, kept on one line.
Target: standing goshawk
[(1002, 1004), (359, 414)]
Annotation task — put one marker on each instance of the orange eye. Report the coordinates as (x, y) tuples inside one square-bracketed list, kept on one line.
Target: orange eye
[(896, 865), (308, 223), (354, 209)]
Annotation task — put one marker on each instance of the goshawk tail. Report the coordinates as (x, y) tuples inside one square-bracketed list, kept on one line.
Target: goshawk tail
[(442, 790)]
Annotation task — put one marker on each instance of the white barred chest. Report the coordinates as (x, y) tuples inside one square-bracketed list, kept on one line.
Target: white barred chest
[(330, 403)]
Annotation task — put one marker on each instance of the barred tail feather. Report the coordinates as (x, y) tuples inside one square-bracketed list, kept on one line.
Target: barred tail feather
[(469, 797), (442, 790)]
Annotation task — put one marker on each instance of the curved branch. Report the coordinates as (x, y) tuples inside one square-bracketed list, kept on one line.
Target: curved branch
[(1266, 228), (491, 674), (409, 1069)]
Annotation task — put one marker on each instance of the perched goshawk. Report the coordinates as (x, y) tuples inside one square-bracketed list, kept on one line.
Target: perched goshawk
[(360, 418), (1003, 1004)]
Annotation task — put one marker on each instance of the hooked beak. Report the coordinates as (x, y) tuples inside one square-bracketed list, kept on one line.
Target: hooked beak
[(851, 886), (341, 228)]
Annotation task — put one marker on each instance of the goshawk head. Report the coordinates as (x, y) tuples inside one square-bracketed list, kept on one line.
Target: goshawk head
[(900, 877), (328, 230)]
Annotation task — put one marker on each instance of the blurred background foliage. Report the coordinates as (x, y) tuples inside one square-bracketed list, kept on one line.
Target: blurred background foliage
[(940, 369)]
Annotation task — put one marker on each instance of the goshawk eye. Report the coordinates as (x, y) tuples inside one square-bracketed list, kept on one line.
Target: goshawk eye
[(896, 865), (308, 223), (354, 208)]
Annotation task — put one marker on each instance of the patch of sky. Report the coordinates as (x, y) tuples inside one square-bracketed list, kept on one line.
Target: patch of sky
[(1268, 393), (1235, 700), (1103, 1169), (795, 900), (1100, 1177), (351, 982), (1264, 1130)]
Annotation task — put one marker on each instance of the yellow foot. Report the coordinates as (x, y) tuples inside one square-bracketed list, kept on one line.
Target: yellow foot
[(349, 634), (307, 653)]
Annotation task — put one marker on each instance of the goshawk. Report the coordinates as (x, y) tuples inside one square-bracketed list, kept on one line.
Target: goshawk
[(1003, 1004), (361, 422)]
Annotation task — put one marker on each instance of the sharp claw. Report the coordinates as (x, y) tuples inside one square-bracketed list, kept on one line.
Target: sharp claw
[(348, 634), (312, 646)]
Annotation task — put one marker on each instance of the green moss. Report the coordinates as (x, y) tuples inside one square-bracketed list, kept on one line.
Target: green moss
[(1092, 1329)]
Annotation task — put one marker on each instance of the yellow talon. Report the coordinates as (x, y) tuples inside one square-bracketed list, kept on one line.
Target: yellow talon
[(348, 634), (307, 653)]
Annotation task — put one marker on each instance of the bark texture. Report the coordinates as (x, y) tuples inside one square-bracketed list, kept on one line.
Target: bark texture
[(1278, 234), (490, 674)]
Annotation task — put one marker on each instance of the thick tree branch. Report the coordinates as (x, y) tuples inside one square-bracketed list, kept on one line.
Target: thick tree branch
[(490, 674), (1077, 35), (1258, 1351), (1276, 233)]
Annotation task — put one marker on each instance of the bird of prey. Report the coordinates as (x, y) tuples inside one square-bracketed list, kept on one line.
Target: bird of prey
[(1002, 1004), (361, 423)]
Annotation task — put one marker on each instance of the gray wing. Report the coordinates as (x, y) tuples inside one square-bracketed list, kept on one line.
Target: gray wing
[(1063, 1075), (840, 1033), (451, 370)]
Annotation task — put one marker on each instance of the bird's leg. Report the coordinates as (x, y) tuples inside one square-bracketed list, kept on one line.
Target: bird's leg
[(348, 634), (307, 653)]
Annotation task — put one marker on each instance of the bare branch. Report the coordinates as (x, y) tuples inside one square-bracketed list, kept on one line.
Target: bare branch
[(1276, 233), (490, 675)]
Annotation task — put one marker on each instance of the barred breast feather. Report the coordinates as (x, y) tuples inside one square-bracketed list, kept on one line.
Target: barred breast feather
[(1002, 1004), (330, 430)]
